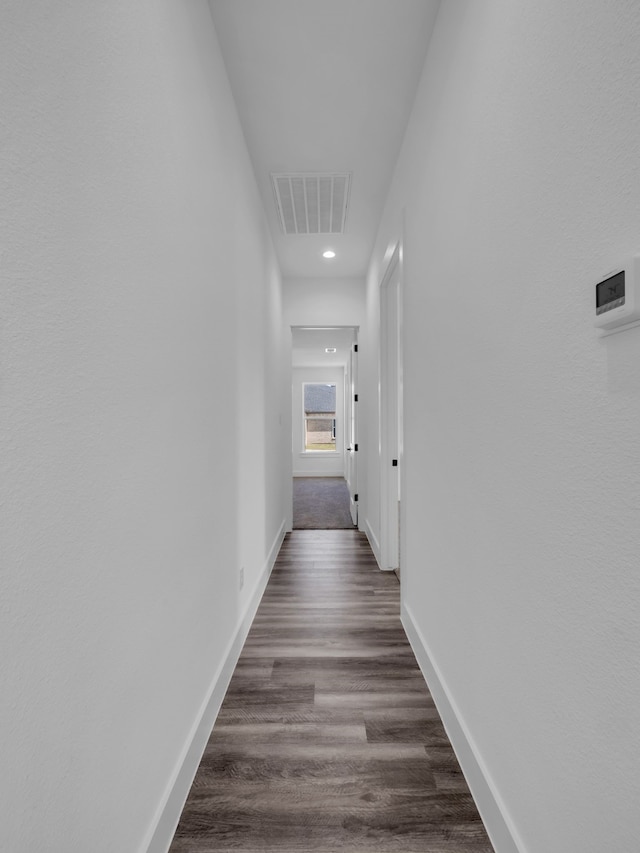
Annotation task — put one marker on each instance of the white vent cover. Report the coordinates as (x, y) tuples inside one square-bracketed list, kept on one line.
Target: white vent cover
[(312, 203)]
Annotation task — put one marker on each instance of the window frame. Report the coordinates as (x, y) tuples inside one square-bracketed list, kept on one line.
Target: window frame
[(323, 453)]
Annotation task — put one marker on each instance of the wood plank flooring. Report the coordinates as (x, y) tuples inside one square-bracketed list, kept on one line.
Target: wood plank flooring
[(328, 739)]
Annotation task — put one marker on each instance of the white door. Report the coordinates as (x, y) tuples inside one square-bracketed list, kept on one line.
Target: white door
[(390, 416), (351, 431)]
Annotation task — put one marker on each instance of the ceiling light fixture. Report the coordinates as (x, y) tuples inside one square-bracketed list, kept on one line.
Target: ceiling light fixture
[(329, 254), (330, 349)]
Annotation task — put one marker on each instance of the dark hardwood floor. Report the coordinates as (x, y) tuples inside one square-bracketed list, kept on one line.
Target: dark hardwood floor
[(328, 739)]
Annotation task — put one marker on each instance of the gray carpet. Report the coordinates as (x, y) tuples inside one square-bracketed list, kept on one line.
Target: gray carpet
[(321, 503)]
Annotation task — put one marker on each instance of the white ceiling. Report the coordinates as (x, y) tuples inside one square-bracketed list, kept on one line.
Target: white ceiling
[(325, 86)]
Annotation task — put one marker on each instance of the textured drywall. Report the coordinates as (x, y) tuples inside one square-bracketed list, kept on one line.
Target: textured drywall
[(124, 289), (324, 302), (519, 183)]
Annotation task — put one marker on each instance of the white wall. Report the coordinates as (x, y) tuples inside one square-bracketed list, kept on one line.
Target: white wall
[(124, 297), (319, 463), (324, 302), (519, 183)]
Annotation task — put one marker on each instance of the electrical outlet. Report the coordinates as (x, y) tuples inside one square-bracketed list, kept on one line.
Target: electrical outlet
[(241, 576)]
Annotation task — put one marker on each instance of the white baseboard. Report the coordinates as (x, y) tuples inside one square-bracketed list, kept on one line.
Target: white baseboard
[(163, 827), (373, 541), (307, 475), (498, 824)]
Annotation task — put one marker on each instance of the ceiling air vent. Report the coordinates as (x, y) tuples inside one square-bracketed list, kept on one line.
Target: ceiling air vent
[(312, 203)]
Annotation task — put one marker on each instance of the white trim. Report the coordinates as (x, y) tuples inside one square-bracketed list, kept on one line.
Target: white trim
[(163, 826), (373, 540), (311, 475), (390, 412), (498, 823), (331, 473)]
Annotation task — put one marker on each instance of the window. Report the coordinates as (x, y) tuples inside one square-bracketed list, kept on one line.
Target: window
[(319, 400)]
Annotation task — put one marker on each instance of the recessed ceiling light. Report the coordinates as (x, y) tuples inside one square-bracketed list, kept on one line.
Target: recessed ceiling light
[(330, 349), (329, 254)]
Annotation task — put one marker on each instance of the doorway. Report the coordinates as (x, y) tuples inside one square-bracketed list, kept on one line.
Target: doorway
[(391, 414), (324, 427)]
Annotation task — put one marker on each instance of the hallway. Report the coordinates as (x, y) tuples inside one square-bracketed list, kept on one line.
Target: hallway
[(328, 738), (206, 206)]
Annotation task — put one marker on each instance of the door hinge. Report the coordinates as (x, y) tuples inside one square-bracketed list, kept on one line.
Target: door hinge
[(355, 347), (355, 498), (394, 463), (355, 398), (355, 446)]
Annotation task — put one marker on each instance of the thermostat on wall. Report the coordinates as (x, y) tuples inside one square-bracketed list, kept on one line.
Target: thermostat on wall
[(618, 297)]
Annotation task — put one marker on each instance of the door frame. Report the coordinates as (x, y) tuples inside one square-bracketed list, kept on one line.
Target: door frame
[(351, 428), (347, 412), (390, 411)]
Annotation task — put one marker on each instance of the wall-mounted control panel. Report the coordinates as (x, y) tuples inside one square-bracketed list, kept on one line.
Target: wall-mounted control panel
[(617, 297)]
